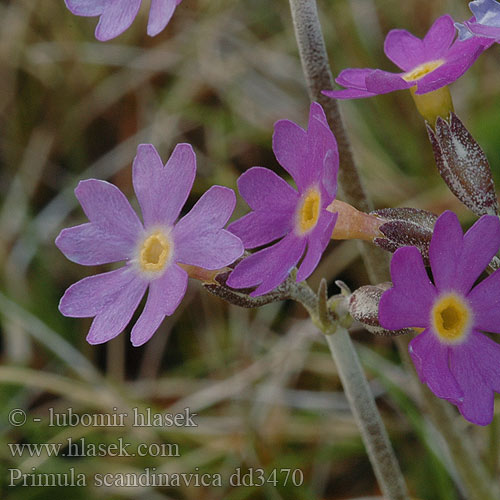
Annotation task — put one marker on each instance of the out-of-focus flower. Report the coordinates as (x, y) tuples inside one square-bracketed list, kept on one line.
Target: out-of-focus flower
[(485, 22), (427, 64), (155, 252), (451, 355), (300, 218), (115, 16)]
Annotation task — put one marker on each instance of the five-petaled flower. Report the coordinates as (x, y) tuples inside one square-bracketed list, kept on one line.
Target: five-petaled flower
[(154, 252), (427, 64), (115, 16), (451, 355), (279, 211), (485, 22)]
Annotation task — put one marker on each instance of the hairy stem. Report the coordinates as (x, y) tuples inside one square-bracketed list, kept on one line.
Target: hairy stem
[(319, 77), (365, 411), (358, 394)]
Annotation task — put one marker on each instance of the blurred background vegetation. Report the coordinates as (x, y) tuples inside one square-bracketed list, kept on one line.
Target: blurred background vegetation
[(261, 381)]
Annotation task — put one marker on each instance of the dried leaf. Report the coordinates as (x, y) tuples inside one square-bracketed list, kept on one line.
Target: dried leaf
[(463, 165)]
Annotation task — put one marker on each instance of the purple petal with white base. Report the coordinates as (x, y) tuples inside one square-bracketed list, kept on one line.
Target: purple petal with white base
[(152, 252), (427, 64), (452, 356), (300, 218)]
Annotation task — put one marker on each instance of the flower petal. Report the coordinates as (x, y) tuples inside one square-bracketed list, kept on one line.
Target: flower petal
[(439, 38), (354, 78), (330, 174), (116, 17), (409, 301), (290, 149), (484, 299), (486, 12), (348, 93), (89, 296), (317, 241), (264, 190), (481, 30), (86, 8), (107, 207), (268, 267), (259, 228), (464, 33), (199, 238), (163, 190), (160, 13), (320, 143), (458, 62), (456, 260), (165, 295), (431, 359), (404, 49), (466, 365), (91, 245), (113, 319), (383, 82)]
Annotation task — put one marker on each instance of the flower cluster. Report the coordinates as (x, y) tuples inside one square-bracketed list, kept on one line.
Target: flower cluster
[(452, 356), (116, 16), (290, 228), (158, 252)]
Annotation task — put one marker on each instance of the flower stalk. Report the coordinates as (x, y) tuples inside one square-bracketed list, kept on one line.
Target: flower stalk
[(319, 77), (357, 390)]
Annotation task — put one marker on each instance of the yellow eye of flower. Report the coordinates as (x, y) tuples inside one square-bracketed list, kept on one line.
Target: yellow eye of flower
[(451, 318), (154, 252), (422, 70), (308, 212)]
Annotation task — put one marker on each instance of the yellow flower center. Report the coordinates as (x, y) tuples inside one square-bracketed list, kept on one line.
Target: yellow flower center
[(308, 212), (154, 252), (451, 318), (422, 70)]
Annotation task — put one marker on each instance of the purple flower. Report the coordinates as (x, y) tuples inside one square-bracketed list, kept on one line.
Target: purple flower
[(152, 251), (451, 356), (485, 22), (300, 218), (427, 64), (115, 16)]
